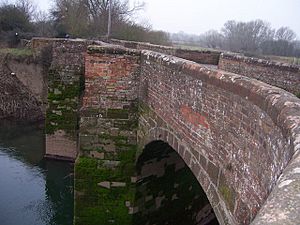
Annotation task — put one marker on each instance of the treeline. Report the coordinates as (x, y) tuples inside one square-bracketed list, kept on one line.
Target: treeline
[(76, 19), (254, 37), (89, 18)]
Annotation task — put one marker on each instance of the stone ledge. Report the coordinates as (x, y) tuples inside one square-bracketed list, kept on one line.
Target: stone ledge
[(283, 204), (270, 99), (260, 62), (200, 56), (112, 49), (59, 158), (144, 45)]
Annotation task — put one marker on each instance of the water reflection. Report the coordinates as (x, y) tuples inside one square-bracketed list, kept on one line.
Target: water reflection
[(32, 191), (167, 191)]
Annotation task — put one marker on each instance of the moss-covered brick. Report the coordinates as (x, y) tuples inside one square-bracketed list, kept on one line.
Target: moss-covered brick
[(18, 52), (126, 124), (97, 205), (112, 127), (143, 109), (63, 101), (117, 113), (91, 112), (228, 196)]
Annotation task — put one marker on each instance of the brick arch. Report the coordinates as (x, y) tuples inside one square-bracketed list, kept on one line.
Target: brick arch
[(199, 167), (244, 130)]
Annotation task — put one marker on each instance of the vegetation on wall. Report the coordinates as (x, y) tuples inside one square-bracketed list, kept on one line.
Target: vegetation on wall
[(62, 104), (98, 205), (16, 51)]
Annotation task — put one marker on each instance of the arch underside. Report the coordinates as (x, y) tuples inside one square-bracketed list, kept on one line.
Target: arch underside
[(207, 174), (166, 188)]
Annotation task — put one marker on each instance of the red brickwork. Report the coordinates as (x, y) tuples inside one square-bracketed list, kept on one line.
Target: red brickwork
[(192, 117), (277, 74), (110, 101), (225, 127), (199, 56), (110, 85), (236, 134)]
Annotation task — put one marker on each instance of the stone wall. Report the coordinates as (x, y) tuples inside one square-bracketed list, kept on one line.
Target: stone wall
[(108, 124), (235, 133), (277, 74), (38, 44), (65, 84), (199, 56)]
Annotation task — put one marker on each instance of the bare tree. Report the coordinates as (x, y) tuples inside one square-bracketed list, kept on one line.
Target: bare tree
[(213, 39), (43, 24), (29, 7), (285, 33), (121, 12), (246, 36), (70, 17), (75, 16)]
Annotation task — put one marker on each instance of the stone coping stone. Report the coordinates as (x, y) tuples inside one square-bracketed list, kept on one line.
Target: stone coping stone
[(283, 203), (261, 62), (112, 49)]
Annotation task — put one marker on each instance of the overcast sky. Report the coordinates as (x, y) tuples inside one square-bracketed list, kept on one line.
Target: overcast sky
[(198, 16)]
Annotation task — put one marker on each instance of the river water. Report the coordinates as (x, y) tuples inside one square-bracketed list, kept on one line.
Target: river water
[(33, 191)]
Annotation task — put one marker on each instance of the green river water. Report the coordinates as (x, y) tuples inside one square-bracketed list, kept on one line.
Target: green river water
[(33, 191)]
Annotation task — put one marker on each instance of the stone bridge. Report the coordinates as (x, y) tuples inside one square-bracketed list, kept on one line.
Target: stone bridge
[(239, 136)]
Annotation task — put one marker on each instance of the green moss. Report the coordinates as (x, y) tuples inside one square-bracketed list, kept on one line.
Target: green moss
[(89, 112), (17, 51), (100, 205), (228, 196), (117, 139), (131, 124), (66, 121), (298, 95), (63, 102), (117, 113), (66, 92), (143, 109), (81, 84), (89, 149)]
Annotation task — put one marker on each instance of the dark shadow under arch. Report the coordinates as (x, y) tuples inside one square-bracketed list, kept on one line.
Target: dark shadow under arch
[(167, 192)]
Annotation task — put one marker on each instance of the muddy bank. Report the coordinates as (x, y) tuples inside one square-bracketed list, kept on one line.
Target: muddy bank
[(23, 88)]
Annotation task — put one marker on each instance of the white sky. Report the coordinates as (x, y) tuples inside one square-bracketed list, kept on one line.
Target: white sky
[(198, 16)]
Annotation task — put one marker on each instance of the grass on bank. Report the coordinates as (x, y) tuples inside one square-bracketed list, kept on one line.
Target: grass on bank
[(284, 59), (17, 51)]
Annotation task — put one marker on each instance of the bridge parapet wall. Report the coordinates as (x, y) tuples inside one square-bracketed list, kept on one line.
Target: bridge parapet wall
[(277, 74), (237, 134), (199, 56)]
